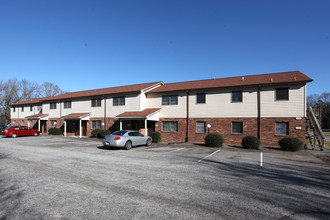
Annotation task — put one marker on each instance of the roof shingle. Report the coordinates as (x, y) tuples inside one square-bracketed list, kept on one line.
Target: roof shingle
[(264, 79)]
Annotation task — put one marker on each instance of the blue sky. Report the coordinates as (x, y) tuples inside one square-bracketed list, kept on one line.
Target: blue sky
[(81, 45)]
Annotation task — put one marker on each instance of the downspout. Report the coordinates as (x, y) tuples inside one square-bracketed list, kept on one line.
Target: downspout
[(187, 119), (105, 112), (259, 113), (60, 113)]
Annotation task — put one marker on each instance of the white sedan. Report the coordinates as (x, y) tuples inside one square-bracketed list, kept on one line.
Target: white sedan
[(126, 139)]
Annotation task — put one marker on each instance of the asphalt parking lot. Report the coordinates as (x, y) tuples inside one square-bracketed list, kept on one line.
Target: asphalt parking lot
[(51, 177)]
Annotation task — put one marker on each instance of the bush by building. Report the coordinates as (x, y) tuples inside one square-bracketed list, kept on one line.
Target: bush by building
[(155, 137), (55, 131), (290, 144), (250, 142), (214, 140), (99, 133)]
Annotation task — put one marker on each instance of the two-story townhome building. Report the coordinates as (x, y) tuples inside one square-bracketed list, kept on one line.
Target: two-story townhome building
[(78, 113), (268, 106)]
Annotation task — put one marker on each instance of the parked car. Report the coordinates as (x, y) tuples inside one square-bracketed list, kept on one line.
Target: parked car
[(126, 139), (2, 127), (15, 131)]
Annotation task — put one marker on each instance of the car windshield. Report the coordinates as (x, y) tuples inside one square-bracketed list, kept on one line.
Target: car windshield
[(9, 127), (119, 133)]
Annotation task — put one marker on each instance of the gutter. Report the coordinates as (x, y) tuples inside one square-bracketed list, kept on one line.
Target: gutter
[(187, 119), (259, 112)]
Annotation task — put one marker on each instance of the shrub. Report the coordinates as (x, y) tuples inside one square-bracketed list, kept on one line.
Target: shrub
[(250, 142), (214, 140), (55, 131), (290, 144), (155, 137), (99, 133)]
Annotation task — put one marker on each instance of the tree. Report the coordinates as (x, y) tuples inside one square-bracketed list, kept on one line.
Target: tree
[(48, 89), (323, 101), (13, 91)]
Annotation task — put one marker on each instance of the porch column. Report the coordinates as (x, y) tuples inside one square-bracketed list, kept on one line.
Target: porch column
[(120, 125), (80, 131), (64, 128), (39, 125), (145, 127)]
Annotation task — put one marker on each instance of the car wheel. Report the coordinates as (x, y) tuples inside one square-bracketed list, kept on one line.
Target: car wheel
[(13, 135), (128, 145), (35, 134), (148, 142)]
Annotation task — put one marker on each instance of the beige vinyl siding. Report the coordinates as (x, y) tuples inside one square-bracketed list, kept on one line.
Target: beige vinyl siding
[(18, 112), (168, 111), (53, 113), (294, 107), (132, 103), (142, 101), (219, 104), (84, 105)]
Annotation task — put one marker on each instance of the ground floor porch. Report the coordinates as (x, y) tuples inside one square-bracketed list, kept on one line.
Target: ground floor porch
[(194, 130)]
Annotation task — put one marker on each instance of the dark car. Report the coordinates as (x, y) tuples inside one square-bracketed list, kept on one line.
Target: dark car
[(15, 131)]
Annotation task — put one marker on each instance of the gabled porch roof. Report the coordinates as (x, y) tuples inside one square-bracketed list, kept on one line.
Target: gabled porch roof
[(77, 116), (37, 117), (148, 113)]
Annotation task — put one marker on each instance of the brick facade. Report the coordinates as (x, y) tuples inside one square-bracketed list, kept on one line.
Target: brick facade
[(223, 126)]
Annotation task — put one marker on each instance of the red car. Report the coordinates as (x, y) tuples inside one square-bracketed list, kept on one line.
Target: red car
[(15, 131)]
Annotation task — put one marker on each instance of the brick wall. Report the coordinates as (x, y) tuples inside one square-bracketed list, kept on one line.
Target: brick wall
[(223, 126)]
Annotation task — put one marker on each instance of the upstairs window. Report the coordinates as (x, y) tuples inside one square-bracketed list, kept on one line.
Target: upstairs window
[(22, 108), (67, 104), (31, 108), (237, 127), (96, 102), (282, 128), (39, 108), (14, 109), (119, 100), (52, 105), (282, 94), (201, 98), (169, 99), (236, 96)]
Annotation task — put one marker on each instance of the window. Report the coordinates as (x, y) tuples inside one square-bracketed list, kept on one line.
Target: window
[(53, 123), (67, 104), (14, 109), (119, 100), (282, 94), (31, 108), (170, 126), (236, 96), (96, 102), (39, 108), (169, 99), (201, 98), (237, 128), (22, 122), (201, 127), (53, 105), (282, 128), (14, 122), (22, 108), (96, 124)]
